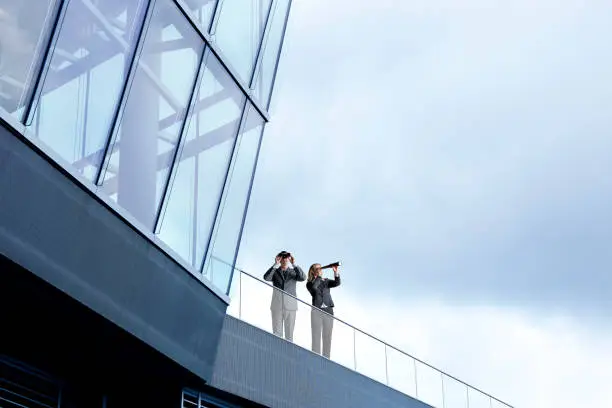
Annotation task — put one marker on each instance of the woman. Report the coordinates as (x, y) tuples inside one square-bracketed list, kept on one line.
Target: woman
[(321, 319)]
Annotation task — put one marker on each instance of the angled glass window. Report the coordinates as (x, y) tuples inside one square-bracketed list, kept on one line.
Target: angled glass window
[(203, 11), (24, 33), (239, 31), (87, 73), (139, 165), (229, 222), (271, 52), (204, 161)]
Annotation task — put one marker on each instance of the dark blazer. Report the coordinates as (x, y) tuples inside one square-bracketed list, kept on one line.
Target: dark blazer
[(286, 281), (319, 289)]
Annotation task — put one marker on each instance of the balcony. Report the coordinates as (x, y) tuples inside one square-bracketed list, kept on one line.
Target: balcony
[(353, 349)]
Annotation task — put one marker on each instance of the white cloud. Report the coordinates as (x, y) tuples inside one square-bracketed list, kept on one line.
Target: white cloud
[(529, 362), (470, 142)]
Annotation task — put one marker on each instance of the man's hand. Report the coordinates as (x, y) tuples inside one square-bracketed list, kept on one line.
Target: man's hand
[(277, 260), (335, 268), (292, 259)]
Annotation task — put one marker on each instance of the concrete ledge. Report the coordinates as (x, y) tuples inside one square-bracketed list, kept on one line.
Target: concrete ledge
[(259, 366), (55, 229)]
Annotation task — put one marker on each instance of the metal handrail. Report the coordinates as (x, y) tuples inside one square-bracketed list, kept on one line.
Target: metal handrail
[(370, 335)]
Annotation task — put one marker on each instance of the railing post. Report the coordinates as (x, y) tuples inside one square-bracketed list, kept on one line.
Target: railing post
[(443, 396), (240, 295), (355, 348), (416, 381), (467, 396), (386, 365)]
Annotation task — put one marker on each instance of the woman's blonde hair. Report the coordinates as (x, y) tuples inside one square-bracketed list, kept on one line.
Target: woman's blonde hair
[(312, 272)]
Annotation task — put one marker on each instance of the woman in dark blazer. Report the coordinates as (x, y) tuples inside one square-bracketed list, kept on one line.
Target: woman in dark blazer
[(321, 320)]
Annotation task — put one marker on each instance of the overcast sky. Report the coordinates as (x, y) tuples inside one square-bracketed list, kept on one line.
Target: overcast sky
[(456, 156)]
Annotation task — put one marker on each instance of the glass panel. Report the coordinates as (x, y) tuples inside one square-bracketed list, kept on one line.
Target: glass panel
[(203, 166), (498, 404), (342, 345), (87, 73), (370, 357), (234, 203), (429, 383), (455, 394), (478, 399), (401, 372), (141, 156), (302, 332), (24, 27), (271, 52), (203, 10), (235, 294), (239, 31), (256, 298)]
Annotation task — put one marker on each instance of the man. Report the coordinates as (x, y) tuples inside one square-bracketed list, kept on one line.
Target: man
[(284, 274)]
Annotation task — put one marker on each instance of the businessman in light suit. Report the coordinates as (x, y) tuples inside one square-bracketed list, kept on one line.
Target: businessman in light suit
[(284, 274)]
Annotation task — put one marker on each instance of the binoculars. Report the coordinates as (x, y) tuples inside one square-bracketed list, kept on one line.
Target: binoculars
[(331, 265), (284, 254)]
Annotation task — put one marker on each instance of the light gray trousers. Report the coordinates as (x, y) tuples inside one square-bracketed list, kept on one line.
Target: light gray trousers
[(283, 318), (321, 324)]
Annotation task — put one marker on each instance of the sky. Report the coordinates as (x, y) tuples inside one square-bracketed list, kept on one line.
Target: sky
[(455, 157)]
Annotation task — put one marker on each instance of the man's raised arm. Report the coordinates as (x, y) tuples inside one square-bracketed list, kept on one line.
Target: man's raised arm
[(270, 273), (300, 276)]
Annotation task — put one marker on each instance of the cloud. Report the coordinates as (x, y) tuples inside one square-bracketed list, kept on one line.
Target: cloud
[(527, 361), (455, 156), (445, 151)]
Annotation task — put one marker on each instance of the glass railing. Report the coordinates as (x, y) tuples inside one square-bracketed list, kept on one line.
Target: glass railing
[(356, 349)]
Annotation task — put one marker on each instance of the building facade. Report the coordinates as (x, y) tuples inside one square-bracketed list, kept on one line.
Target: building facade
[(129, 140), (158, 107)]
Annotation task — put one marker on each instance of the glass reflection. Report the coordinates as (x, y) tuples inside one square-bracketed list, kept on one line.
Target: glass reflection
[(239, 32), (139, 166), (86, 76), (271, 52), (24, 27), (203, 11), (203, 165), (227, 231)]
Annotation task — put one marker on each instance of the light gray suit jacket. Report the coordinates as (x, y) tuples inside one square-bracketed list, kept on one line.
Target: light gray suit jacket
[(286, 281)]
